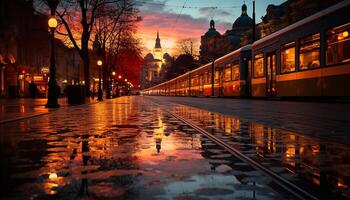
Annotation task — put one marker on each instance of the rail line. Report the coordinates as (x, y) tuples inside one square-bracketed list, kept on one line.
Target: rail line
[(282, 182)]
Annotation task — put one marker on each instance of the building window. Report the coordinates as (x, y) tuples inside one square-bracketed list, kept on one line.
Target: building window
[(228, 72), (235, 71), (258, 70), (309, 53), (338, 45), (288, 58)]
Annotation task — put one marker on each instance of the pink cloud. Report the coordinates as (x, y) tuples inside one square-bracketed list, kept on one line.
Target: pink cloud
[(172, 27)]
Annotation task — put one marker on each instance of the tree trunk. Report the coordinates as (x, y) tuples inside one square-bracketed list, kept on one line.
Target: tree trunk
[(86, 61)]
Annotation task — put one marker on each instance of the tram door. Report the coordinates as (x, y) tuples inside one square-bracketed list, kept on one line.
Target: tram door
[(271, 74)]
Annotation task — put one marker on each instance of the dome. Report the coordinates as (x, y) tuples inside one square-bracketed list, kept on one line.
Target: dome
[(244, 20), (166, 56), (149, 57), (212, 31)]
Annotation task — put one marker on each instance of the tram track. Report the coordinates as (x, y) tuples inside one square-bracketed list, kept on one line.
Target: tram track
[(288, 186)]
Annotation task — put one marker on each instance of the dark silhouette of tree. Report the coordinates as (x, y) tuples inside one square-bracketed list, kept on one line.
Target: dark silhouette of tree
[(116, 34), (78, 22), (181, 65)]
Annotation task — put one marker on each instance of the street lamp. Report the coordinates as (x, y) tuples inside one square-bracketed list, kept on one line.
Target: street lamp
[(113, 84), (53, 91), (99, 64)]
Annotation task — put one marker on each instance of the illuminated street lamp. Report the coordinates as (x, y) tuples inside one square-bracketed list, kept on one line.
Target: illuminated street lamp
[(120, 77), (99, 64), (112, 83), (126, 80), (53, 91)]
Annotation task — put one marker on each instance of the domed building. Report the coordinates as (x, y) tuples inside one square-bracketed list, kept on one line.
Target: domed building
[(215, 45), (155, 65), (243, 22)]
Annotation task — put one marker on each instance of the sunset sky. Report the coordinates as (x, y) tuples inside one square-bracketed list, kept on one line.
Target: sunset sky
[(175, 22)]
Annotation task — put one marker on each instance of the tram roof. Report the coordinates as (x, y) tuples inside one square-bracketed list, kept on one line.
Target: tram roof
[(302, 22)]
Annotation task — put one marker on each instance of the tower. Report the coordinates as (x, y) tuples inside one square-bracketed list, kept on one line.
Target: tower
[(157, 51)]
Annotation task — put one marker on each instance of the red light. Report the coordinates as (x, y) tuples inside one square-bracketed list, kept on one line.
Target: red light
[(23, 71)]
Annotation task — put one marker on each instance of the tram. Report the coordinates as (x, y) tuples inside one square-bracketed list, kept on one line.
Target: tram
[(310, 58)]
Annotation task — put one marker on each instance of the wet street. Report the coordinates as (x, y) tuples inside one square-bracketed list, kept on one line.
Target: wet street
[(136, 148)]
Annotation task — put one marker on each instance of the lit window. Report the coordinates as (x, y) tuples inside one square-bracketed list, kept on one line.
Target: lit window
[(228, 72), (208, 77), (258, 70), (309, 56), (235, 71), (288, 58), (338, 45), (195, 81), (216, 75)]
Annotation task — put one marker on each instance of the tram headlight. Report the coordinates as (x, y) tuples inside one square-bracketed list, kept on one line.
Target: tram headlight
[(345, 34)]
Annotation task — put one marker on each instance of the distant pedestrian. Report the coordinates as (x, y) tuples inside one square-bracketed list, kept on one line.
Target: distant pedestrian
[(33, 90)]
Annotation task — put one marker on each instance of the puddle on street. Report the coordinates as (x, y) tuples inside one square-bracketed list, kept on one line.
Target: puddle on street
[(321, 167), (125, 148)]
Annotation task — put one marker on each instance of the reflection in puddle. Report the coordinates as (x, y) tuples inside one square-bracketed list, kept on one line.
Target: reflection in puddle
[(137, 153), (319, 166)]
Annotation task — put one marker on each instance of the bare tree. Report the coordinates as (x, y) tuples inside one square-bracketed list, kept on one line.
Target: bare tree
[(187, 46), (78, 19), (116, 33)]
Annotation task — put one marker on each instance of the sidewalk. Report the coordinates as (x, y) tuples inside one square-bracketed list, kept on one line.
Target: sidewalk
[(13, 109)]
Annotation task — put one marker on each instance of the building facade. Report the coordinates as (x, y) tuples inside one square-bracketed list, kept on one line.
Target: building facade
[(25, 51), (155, 65), (215, 45)]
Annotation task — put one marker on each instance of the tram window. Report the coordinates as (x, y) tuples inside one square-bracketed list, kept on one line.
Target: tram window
[(338, 45), (288, 58), (192, 81), (208, 77), (258, 70), (309, 56), (235, 72), (228, 72), (195, 81), (216, 75)]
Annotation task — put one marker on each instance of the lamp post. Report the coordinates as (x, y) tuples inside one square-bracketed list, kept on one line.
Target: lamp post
[(119, 84), (113, 84), (125, 86), (53, 92), (253, 32), (99, 64)]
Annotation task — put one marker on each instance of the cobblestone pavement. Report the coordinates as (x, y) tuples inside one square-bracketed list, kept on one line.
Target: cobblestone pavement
[(125, 148), (11, 109), (330, 121)]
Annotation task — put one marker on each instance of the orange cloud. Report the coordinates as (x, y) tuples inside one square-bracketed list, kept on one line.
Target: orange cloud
[(172, 27)]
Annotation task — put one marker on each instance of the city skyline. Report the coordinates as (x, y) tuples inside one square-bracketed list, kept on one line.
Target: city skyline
[(177, 20)]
